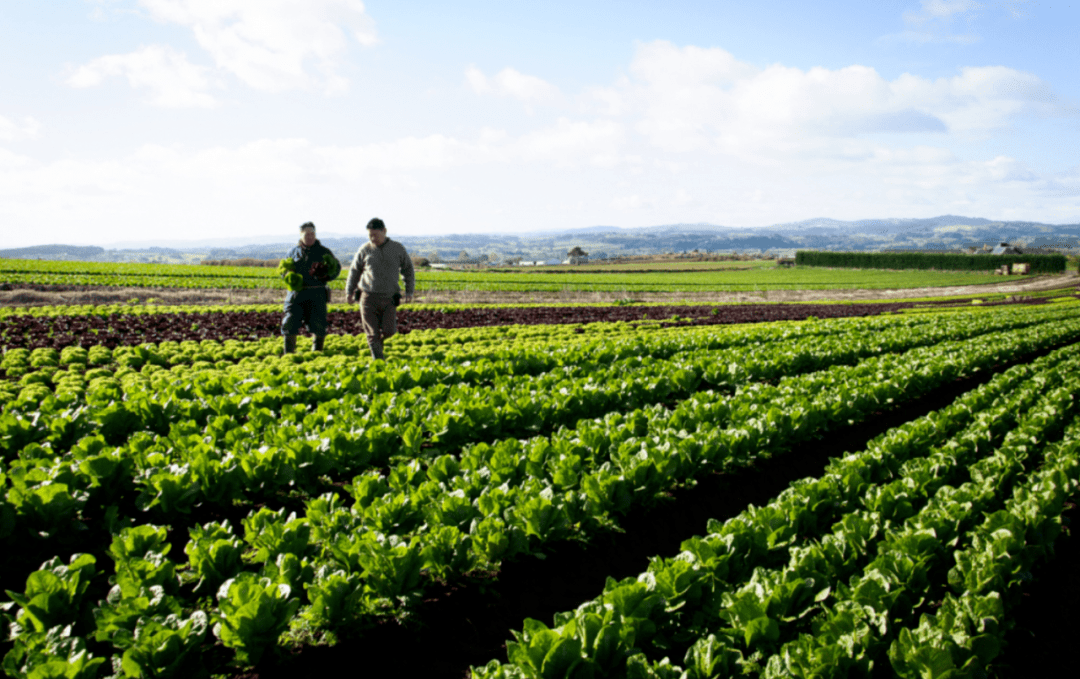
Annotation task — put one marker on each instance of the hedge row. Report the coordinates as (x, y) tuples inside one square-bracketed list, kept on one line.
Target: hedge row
[(927, 260)]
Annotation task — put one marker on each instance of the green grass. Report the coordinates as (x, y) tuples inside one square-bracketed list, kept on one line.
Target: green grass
[(721, 277), (665, 265), (720, 280)]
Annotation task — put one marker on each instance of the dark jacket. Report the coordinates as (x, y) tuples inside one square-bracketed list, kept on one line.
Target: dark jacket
[(303, 257)]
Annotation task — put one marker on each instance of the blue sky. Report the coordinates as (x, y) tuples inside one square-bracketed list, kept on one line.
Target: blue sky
[(176, 119)]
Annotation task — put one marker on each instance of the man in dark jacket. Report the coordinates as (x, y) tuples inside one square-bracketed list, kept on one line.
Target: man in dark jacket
[(375, 271), (306, 302)]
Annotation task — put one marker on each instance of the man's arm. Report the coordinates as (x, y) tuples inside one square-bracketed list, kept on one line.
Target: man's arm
[(355, 271), (409, 274)]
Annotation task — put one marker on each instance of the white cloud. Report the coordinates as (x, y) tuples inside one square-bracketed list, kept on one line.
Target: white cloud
[(434, 152), (173, 81), (926, 38), (688, 134), (511, 83), (498, 181), (597, 143), (11, 130), (1015, 8), (692, 99), (932, 22), (941, 9), (268, 44), (633, 203), (246, 187), (1064, 184), (688, 66), (477, 81), (525, 87), (567, 143)]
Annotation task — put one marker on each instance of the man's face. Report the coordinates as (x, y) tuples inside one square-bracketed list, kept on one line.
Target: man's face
[(308, 237), (377, 236)]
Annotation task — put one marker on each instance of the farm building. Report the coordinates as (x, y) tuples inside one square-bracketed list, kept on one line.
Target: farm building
[(1004, 248)]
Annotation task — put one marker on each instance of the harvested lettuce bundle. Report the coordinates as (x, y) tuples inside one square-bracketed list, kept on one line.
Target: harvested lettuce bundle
[(287, 270), (326, 270)]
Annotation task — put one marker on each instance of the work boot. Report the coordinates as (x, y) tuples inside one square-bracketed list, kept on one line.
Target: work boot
[(290, 345), (318, 344)]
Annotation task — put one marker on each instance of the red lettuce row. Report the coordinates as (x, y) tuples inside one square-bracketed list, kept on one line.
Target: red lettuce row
[(119, 329)]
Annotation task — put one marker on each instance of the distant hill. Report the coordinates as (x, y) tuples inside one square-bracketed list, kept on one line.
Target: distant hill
[(73, 252), (947, 232)]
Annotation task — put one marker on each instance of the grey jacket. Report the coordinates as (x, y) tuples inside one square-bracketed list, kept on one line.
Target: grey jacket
[(375, 269)]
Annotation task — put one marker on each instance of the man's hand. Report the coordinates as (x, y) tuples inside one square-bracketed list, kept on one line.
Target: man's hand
[(350, 298)]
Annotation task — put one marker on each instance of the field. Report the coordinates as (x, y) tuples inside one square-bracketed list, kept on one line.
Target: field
[(656, 264), (706, 277), (636, 490)]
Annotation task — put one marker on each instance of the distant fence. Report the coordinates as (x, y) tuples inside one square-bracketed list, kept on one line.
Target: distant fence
[(928, 260)]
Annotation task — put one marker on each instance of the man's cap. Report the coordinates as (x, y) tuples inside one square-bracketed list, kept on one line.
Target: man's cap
[(307, 225), (376, 223)]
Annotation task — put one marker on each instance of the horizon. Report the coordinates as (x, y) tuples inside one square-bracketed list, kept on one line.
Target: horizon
[(182, 117), (268, 239)]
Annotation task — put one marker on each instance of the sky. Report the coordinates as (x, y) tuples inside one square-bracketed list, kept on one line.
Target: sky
[(130, 120)]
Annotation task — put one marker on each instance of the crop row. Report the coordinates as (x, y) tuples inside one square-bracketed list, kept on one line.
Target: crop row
[(37, 266), (517, 349), (156, 276), (185, 451), (17, 362), (195, 279), (435, 355), (1050, 263), (336, 415), (967, 630), (562, 386), (152, 306), (217, 444), (58, 332), (333, 567), (775, 592)]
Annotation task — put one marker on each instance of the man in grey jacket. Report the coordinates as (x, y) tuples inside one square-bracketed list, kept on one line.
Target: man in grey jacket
[(375, 270)]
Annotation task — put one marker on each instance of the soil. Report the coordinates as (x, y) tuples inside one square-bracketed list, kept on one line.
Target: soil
[(467, 624)]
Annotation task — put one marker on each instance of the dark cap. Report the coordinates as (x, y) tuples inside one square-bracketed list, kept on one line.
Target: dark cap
[(306, 225), (376, 223)]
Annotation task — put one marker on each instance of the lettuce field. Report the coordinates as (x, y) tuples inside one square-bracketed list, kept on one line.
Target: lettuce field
[(59, 328), (54, 275), (554, 492)]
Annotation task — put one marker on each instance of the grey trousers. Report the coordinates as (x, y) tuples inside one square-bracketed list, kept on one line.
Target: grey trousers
[(379, 316)]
